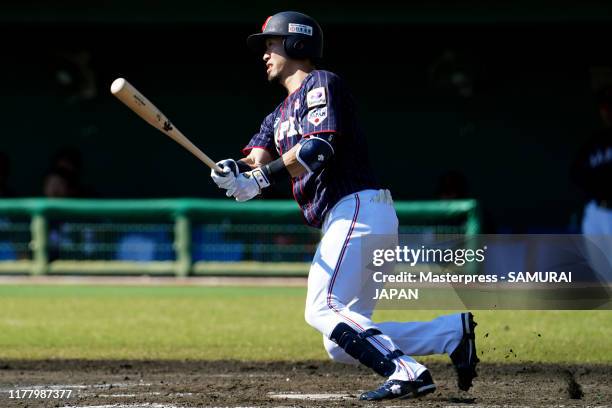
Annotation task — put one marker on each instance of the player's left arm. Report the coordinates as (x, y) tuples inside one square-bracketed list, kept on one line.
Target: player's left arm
[(291, 162), (309, 155), (256, 158)]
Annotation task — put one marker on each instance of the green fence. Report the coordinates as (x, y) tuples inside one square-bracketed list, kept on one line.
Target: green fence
[(183, 236)]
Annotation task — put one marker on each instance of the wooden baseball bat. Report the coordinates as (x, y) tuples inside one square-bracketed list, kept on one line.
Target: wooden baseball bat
[(136, 101)]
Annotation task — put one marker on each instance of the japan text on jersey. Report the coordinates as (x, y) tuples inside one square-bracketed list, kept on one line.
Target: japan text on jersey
[(322, 107)]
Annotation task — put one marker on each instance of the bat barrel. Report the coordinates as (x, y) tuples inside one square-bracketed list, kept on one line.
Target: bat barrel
[(126, 93)]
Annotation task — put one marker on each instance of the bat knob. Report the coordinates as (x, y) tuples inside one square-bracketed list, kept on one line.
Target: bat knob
[(117, 85)]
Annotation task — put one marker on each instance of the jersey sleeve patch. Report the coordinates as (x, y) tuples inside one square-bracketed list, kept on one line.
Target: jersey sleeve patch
[(317, 116), (316, 97)]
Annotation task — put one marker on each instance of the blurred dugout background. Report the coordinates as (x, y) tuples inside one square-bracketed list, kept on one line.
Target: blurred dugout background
[(459, 99)]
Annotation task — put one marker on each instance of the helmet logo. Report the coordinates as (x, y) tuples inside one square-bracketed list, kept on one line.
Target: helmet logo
[(263, 27), (300, 29)]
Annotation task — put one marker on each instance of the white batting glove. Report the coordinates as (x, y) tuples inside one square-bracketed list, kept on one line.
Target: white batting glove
[(248, 185), (227, 179)]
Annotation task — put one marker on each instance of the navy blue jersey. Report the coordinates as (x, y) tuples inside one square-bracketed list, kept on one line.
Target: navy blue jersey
[(321, 107)]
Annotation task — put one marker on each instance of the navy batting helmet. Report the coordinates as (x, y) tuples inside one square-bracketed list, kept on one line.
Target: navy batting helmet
[(302, 35)]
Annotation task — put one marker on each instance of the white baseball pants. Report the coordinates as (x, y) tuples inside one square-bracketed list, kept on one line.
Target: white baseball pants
[(340, 286)]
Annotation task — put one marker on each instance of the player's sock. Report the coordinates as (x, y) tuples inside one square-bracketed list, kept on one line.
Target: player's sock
[(407, 368)]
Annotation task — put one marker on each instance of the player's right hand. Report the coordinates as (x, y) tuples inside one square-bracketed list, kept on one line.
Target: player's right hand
[(227, 179), (246, 187)]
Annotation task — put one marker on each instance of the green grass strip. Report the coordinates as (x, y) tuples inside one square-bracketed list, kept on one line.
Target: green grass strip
[(249, 323)]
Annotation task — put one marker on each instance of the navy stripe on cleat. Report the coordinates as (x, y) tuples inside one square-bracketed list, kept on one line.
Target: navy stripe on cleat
[(464, 357), (393, 389)]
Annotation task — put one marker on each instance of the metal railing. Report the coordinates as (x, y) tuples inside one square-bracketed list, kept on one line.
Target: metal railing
[(270, 231)]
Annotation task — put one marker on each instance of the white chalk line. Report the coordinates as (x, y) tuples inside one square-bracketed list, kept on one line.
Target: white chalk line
[(158, 405), (314, 396), (142, 394), (252, 375), (154, 405), (145, 405), (88, 389), (73, 386)]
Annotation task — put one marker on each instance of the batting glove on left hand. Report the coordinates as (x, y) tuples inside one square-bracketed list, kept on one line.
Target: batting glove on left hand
[(227, 179), (248, 185)]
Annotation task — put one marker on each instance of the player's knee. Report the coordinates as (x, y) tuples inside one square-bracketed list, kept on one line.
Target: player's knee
[(320, 317), (312, 316), (336, 353)]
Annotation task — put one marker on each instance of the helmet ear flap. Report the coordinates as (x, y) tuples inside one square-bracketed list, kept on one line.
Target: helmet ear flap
[(298, 45), (295, 47)]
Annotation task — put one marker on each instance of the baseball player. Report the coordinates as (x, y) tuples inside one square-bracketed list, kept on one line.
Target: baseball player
[(313, 138)]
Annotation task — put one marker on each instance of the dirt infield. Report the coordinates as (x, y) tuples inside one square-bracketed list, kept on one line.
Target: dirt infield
[(164, 384)]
